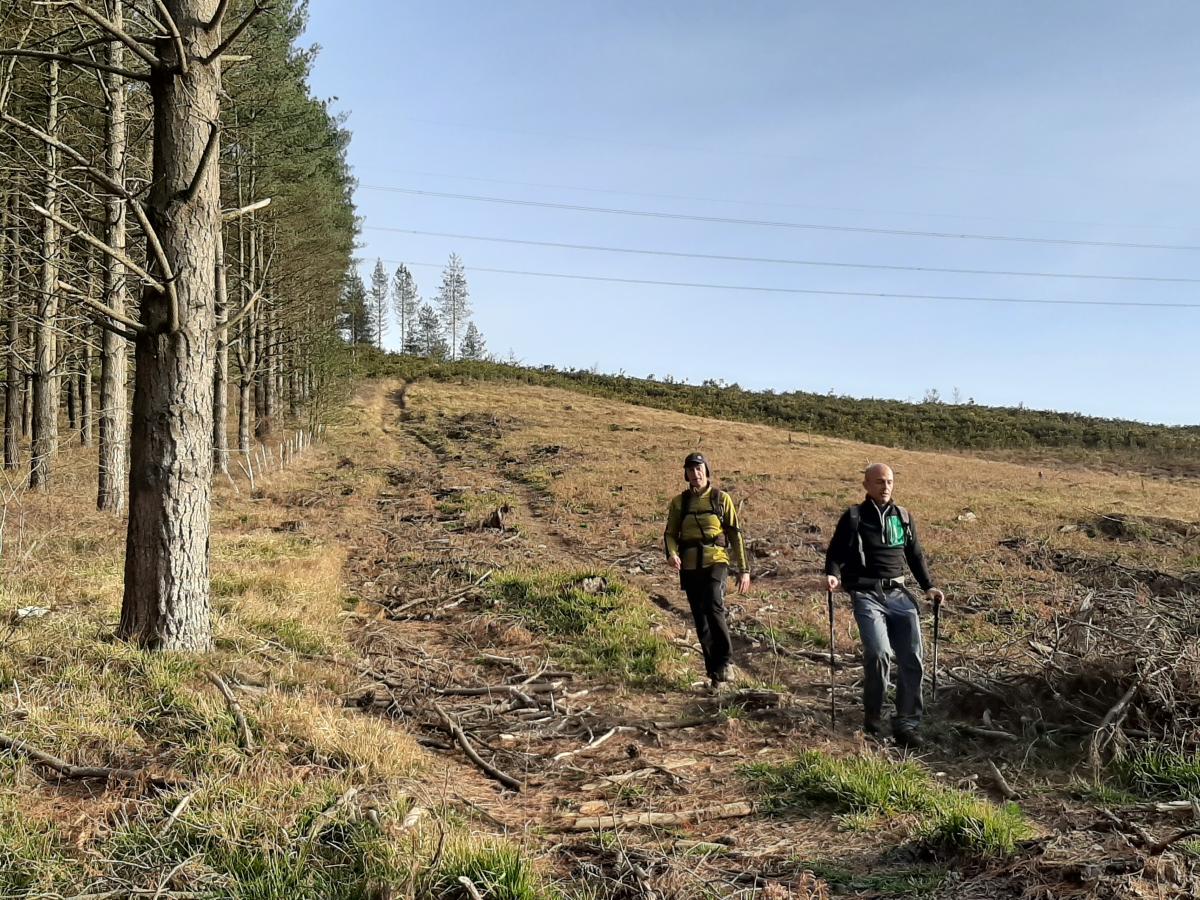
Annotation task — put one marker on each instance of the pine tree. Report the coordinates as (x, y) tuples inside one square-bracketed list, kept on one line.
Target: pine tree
[(405, 301), (473, 345), (355, 317), (454, 301), (430, 339), (379, 302)]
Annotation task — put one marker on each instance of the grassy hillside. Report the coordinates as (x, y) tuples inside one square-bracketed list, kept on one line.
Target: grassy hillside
[(1033, 434), (487, 559)]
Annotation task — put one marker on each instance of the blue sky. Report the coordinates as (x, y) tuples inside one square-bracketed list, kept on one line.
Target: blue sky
[(1069, 122)]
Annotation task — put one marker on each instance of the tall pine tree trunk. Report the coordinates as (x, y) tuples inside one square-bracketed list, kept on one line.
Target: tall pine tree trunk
[(83, 385), (10, 298), (45, 380), (111, 487), (167, 598), (221, 366), (270, 394)]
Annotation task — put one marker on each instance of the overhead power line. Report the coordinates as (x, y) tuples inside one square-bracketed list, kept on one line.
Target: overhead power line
[(767, 223), (777, 260), (812, 291), (778, 204)]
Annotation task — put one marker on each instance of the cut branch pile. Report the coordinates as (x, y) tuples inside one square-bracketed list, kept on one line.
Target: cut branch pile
[(1114, 667)]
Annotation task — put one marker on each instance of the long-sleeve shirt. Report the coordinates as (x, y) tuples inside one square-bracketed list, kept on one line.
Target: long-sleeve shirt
[(880, 549), (691, 532)]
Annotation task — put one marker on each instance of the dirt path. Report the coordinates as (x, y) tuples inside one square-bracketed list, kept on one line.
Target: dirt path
[(429, 627)]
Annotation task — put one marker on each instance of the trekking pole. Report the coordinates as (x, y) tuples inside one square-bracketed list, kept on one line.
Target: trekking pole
[(832, 665), (937, 621)]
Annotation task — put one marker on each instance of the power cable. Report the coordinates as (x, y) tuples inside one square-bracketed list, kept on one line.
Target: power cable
[(776, 204), (767, 223), (777, 260), (813, 291)]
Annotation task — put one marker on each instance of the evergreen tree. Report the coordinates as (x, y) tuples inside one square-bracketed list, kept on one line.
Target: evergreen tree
[(355, 318), (405, 300), (453, 301), (379, 302), (473, 345), (430, 339)]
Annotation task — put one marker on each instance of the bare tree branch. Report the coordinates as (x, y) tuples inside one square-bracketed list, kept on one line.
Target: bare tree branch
[(76, 61), (101, 246), (70, 151), (218, 16), (176, 37), (241, 313), (202, 167), (132, 324), (138, 50), (230, 214), (235, 34)]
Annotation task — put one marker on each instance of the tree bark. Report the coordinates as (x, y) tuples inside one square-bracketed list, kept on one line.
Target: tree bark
[(221, 366), (27, 405), (271, 369), (83, 387), (111, 487), (13, 379), (167, 592), (45, 379)]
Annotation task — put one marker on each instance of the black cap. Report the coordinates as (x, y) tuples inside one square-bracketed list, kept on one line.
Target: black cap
[(695, 459)]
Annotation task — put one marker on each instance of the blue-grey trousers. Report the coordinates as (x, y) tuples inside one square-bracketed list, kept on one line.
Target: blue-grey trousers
[(891, 626)]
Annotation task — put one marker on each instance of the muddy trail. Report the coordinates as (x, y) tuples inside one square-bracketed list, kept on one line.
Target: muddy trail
[(636, 786)]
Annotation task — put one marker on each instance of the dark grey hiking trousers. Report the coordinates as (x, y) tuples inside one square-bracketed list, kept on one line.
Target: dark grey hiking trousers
[(891, 626), (705, 589)]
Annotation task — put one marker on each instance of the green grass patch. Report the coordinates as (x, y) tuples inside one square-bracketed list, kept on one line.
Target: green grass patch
[(33, 856), (596, 622), (273, 841), (1101, 793), (944, 817), (498, 870), (917, 881), (476, 509), (1161, 772)]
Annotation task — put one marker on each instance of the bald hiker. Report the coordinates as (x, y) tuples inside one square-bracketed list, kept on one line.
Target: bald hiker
[(867, 555), (702, 542)]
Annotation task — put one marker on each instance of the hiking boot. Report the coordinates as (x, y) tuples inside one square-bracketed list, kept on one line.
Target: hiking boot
[(908, 737), (872, 728)]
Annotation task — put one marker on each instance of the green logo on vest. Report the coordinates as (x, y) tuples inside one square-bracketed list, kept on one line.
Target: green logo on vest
[(893, 532)]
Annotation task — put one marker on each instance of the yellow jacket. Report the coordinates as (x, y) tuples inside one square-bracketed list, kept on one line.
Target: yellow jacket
[(693, 533)]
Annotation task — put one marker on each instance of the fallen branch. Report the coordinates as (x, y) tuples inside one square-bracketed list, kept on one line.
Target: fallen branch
[(979, 688), (328, 811), (734, 810), (460, 736), (176, 812), (611, 733), (1162, 845), (545, 687), (236, 709), (61, 766), (413, 817), (395, 611), (1001, 782), (993, 733), (470, 887)]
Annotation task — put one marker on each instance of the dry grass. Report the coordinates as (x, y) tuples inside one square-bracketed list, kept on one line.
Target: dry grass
[(273, 823), (619, 466), (71, 690)]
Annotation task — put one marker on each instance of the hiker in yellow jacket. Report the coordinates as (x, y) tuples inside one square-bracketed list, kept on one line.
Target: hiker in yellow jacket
[(702, 542)]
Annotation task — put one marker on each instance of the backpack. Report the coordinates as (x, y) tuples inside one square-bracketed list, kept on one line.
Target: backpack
[(717, 497), (856, 521)]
